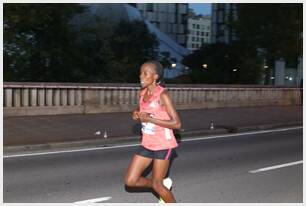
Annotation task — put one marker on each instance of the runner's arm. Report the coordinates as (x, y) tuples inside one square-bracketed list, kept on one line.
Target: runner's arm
[(173, 123), (135, 113)]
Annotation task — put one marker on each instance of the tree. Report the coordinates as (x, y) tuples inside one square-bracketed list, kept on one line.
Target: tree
[(224, 64), (39, 44), (274, 29), (115, 52), (64, 43), (132, 44), (93, 39)]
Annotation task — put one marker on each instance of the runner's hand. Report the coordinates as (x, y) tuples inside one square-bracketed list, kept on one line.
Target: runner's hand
[(135, 115), (145, 117)]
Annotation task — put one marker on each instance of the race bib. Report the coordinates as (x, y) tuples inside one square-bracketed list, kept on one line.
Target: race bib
[(148, 127)]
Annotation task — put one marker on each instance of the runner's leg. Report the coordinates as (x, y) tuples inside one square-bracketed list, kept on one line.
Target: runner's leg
[(160, 168), (133, 176)]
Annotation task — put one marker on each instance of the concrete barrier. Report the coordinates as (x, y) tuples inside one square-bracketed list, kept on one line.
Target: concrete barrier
[(22, 99)]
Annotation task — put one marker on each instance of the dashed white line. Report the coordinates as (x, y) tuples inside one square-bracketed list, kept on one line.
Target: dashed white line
[(133, 145), (276, 167), (101, 199)]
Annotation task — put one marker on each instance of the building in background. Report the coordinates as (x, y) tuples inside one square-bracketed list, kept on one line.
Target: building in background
[(221, 15), (199, 31), (116, 12), (281, 74), (169, 18)]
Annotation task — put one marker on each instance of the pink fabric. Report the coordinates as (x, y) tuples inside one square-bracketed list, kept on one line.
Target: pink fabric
[(155, 137), (168, 154)]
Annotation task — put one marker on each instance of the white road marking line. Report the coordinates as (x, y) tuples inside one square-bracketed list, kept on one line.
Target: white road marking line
[(101, 199), (276, 167), (243, 133), (133, 145), (69, 151)]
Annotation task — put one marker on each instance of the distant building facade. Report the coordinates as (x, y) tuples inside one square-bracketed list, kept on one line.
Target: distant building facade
[(280, 75), (221, 15), (199, 32), (169, 18), (117, 12)]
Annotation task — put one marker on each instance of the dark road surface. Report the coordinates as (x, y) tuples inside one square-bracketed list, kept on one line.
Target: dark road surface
[(206, 170)]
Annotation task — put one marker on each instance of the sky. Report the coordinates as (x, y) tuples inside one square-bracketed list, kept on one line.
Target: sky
[(203, 9)]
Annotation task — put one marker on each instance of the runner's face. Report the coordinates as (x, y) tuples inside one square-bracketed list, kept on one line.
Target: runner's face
[(147, 75)]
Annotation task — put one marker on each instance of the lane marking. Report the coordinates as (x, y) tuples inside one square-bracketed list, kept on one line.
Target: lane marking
[(242, 134), (133, 145), (276, 167), (69, 151), (101, 199)]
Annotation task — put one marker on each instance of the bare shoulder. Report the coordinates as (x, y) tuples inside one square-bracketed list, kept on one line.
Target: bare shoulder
[(165, 97), (164, 94)]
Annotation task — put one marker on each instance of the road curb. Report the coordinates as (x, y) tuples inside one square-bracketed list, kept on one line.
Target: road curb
[(136, 139)]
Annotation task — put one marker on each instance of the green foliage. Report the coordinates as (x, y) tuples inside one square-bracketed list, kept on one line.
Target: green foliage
[(59, 43), (275, 28), (132, 44), (263, 31), (226, 64), (38, 42)]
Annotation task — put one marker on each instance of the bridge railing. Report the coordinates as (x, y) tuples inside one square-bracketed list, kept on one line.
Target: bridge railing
[(70, 98)]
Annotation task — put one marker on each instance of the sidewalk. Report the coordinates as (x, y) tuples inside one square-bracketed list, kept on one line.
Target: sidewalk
[(69, 129)]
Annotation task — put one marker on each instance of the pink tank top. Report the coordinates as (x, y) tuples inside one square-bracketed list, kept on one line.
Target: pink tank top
[(155, 137)]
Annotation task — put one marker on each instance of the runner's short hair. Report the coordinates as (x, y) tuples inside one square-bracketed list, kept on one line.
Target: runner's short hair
[(159, 70)]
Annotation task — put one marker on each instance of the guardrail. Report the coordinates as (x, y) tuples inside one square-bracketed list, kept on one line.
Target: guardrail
[(21, 99)]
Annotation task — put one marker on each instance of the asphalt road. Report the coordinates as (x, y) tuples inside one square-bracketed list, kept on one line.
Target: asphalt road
[(223, 169)]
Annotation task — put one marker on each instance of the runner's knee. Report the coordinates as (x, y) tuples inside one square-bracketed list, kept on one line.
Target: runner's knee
[(157, 186), (130, 181)]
